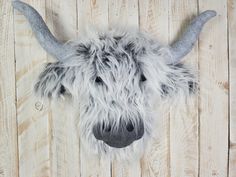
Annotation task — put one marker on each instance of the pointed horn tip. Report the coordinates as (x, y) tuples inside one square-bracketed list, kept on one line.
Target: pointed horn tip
[(210, 13), (15, 3), (19, 5)]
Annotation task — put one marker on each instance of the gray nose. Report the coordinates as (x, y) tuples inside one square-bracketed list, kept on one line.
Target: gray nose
[(121, 136)]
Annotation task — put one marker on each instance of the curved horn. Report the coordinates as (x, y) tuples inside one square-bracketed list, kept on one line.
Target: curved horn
[(184, 45), (41, 31)]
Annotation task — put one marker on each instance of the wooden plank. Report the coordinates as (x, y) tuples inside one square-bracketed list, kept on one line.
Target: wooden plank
[(156, 161), (64, 154), (32, 114), (122, 13), (64, 151), (154, 19), (61, 17), (213, 63), (8, 124), (184, 113), (126, 169), (93, 12), (232, 74)]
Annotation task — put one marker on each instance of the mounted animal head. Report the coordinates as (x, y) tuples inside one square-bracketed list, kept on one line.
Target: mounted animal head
[(113, 79)]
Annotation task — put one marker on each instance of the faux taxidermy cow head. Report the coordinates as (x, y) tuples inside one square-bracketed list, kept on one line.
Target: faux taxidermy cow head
[(114, 78)]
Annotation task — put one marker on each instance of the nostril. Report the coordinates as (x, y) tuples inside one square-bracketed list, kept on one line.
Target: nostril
[(130, 127), (106, 128)]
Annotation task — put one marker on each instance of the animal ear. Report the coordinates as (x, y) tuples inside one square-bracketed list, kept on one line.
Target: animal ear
[(180, 80), (51, 82)]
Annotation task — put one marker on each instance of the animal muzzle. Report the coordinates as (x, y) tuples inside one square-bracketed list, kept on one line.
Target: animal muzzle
[(121, 135)]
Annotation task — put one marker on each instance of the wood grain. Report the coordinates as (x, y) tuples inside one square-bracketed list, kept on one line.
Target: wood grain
[(156, 162), (64, 151), (123, 13), (92, 13), (64, 141), (184, 113), (213, 64), (153, 18), (32, 114), (8, 123), (232, 74)]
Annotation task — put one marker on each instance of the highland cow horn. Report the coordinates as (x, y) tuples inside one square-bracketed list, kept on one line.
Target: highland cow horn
[(44, 36), (184, 45)]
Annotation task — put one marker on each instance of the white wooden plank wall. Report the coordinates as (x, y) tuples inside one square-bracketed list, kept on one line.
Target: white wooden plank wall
[(183, 120), (213, 97), (37, 139), (8, 122), (232, 83)]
